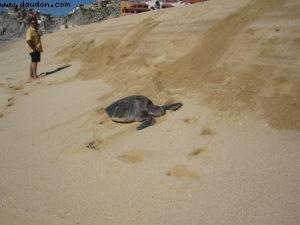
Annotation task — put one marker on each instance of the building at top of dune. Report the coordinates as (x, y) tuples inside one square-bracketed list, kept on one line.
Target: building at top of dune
[(193, 1), (127, 8)]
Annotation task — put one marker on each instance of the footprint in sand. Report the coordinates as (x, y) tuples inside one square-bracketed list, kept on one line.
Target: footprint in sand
[(198, 151), (1, 115), (95, 145), (207, 131), (181, 171), (10, 101), (190, 120), (132, 157), (92, 147), (16, 87)]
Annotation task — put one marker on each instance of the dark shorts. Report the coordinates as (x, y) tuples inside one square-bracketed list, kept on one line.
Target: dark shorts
[(35, 57)]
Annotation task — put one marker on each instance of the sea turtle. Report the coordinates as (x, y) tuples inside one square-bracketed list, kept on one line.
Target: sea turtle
[(138, 108)]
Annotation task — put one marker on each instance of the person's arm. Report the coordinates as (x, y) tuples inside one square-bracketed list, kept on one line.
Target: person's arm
[(29, 40), (30, 43)]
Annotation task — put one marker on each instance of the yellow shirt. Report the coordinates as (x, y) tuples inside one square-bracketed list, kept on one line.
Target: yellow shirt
[(33, 36)]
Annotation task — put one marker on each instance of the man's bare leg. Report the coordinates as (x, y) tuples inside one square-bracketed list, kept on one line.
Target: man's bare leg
[(34, 70), (31, 72)]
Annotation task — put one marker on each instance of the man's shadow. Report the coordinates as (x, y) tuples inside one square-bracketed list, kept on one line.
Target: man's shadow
[(54, 71)]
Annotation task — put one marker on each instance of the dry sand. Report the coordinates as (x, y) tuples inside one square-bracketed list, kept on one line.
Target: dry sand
[(230, 155)]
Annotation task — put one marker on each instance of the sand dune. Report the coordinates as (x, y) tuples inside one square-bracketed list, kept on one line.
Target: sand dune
[(230, 155)]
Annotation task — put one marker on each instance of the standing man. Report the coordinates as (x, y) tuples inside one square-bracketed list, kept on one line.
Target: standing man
[(34, 46)]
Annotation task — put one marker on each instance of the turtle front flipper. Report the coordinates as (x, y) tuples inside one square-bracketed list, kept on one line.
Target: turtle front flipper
[(149, 120)]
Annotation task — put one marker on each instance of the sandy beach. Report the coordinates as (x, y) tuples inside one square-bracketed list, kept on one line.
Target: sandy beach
[(229, 156)]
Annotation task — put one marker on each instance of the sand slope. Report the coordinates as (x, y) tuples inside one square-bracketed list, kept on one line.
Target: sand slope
[(230, 155)]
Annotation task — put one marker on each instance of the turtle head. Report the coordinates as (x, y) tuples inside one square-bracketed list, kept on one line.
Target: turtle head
[(158, 111), (172, 107)]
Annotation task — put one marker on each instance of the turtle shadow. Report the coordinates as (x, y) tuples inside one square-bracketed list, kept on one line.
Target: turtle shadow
[(54, 71)]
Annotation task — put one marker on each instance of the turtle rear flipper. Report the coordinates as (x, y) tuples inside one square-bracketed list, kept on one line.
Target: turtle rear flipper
[(149, 120), (173, 106)]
